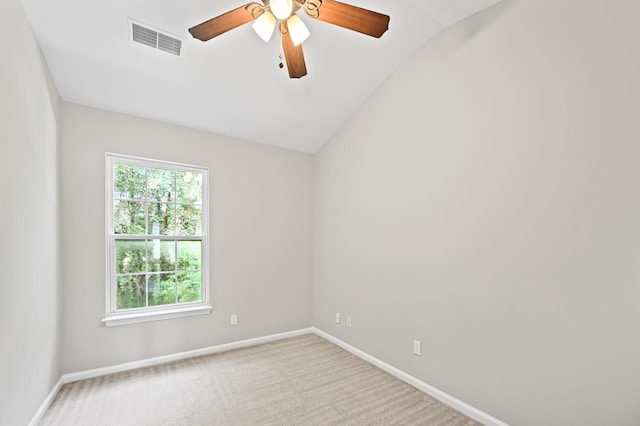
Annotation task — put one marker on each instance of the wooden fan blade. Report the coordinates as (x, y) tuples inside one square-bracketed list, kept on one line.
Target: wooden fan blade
[(227, 21), (347, 16), (293, 55)]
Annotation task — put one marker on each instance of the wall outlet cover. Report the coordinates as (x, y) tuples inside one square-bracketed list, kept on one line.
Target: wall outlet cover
[(417, 347)]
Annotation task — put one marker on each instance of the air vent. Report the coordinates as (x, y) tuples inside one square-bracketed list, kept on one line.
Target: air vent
[(152, 38)]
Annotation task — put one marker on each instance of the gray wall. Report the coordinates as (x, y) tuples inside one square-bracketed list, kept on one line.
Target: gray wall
[(261, 209), (486, 202), (30, 288)]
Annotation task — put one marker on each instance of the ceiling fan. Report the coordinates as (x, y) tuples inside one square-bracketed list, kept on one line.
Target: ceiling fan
[(292, 30)]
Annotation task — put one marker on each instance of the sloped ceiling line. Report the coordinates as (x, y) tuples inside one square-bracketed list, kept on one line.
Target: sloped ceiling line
[(230, 85)]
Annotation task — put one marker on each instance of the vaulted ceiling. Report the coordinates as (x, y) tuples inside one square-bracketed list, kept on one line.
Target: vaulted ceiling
[(232, 84)]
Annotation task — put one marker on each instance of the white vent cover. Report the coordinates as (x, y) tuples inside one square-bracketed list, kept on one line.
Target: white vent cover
[(148, 36)]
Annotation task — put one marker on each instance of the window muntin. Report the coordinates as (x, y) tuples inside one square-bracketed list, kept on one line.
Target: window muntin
[(156, 236)]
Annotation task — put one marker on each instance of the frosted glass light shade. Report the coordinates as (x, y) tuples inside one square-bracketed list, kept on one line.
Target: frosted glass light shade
[(281, 8), (264, 26), (298, 30)]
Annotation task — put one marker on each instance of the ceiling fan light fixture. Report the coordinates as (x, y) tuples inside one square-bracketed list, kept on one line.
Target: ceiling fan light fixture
[(292, 30), (281, 8), (297, 28), (264, 26)]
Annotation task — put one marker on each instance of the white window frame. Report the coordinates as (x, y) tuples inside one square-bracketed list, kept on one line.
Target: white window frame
[(115, 317)]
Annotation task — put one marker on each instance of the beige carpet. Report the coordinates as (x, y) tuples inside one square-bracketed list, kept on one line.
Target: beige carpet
[(303, 380)]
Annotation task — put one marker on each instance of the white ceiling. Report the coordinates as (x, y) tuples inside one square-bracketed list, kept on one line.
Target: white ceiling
[(232, 84)]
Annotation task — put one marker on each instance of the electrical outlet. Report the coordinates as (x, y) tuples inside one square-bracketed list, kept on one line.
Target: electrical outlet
[(233, 319), (417, 347), (349, 322), (337, 318)]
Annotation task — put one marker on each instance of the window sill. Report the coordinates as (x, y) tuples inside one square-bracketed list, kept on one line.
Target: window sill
[(116, 320)]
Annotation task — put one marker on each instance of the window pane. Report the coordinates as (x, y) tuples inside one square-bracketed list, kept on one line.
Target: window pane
[(155, 204), (128, 217), (189, 220), (162, 289), (189, 255), (189, 286), (161, 255), (162, 219), (128, 182), (130, 256), (161, 185), (189, 187), (131, 292)]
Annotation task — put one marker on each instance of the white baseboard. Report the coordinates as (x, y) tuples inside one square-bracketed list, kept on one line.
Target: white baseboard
[(455, 403), (441, 396), (97, 372), (47, 402)]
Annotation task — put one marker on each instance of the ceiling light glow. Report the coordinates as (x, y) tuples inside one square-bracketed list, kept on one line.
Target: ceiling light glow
[(281, 8)]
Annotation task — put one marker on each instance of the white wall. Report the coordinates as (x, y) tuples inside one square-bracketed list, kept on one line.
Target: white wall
[(30, 287), (486, 200), (260, 243)]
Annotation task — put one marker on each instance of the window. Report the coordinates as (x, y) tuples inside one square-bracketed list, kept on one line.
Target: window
[(156, 229)]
